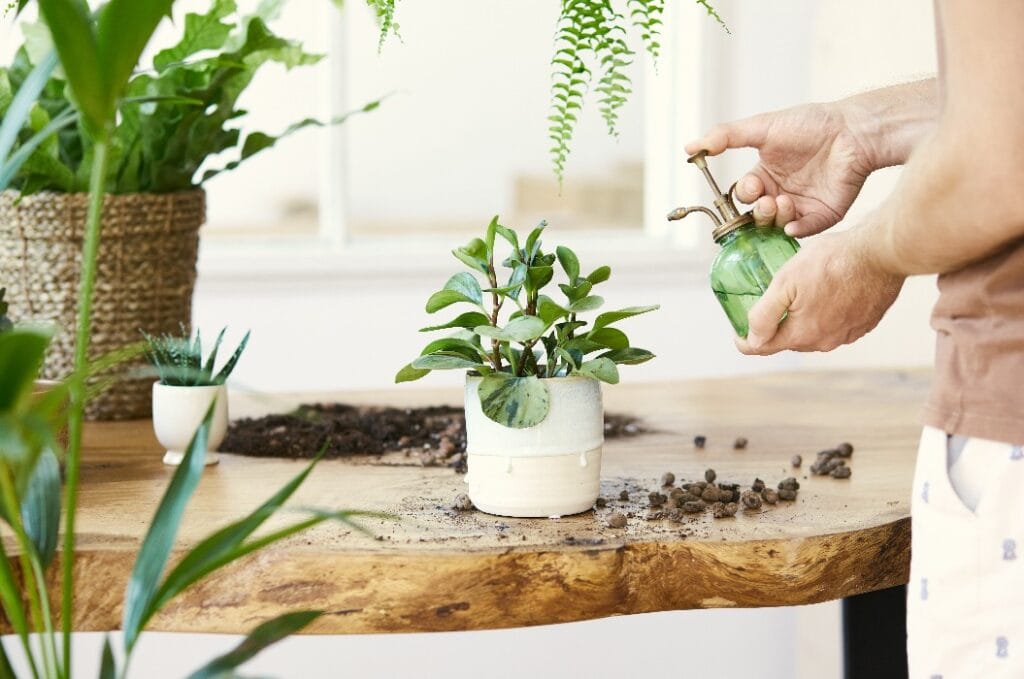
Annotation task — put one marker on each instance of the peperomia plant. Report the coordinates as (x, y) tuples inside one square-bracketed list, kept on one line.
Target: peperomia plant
[(537, 338)]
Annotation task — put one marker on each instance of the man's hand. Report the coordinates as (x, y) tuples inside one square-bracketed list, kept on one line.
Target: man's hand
[(812, 165), (830, 294)]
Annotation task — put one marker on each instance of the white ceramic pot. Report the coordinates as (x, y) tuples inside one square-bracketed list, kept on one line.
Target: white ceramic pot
[(552, 469), (177, 413)]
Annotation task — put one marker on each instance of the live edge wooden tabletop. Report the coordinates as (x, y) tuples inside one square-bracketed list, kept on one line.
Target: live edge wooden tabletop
[(438, 570)]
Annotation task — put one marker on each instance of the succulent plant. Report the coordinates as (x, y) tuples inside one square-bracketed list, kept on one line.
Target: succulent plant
[(179, 360)]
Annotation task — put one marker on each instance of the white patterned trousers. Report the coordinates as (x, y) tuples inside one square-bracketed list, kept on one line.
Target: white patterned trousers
[(965, 607)]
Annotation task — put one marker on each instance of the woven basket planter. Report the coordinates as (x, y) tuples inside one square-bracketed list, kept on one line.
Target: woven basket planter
[(146, 271)]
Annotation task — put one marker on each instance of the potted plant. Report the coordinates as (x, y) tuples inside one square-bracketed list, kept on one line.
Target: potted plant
[(169, 123), (534, 416), (187, 388)]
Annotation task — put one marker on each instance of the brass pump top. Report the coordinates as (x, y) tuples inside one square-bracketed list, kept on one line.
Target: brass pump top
[(730, 219)]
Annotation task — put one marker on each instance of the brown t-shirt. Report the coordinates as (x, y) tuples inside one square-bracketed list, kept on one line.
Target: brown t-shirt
[(979, 354)]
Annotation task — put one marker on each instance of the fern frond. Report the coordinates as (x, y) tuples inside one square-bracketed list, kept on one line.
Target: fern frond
[(713, 14), (385, 13), (646, 18)]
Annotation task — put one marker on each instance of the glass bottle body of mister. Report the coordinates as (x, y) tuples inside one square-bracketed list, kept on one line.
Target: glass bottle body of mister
[(749, 258)]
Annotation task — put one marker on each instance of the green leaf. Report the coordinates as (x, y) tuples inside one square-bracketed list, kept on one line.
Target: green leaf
[(628, 356), (123, 29), (462, 287), (509, 235), (521, 329), (76, 43), (40, 508), (21, 355), (202, 32), (578, 291), (600, 275), (229, 367), (108, 668), (156, 546), (550, 311), (212, 551), (20, 108), (516, 402), (539, 276), (570, 263), (474, 255), (469, 320), (533, 242), (600, 368), (256, 142), (609, 317), (586, 304), (410, 374), (445, 360), (264, 635), (610, 338), (492, 229), (458, 345)]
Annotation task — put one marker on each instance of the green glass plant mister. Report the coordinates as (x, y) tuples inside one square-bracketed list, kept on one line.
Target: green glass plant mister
[(750, 254)]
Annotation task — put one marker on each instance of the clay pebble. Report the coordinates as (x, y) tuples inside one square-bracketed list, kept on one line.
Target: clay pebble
[(616, 520), (462, 503)]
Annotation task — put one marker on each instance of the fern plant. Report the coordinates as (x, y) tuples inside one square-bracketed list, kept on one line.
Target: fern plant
[(591, 44)]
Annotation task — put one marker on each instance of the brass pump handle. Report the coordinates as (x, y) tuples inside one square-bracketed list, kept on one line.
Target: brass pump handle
[(723, 201)]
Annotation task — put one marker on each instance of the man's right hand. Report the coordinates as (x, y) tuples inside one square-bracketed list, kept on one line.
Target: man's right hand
[(812, 165)]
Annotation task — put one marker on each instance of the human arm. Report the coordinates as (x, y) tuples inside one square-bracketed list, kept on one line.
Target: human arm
[(958, 201), (814, 158)]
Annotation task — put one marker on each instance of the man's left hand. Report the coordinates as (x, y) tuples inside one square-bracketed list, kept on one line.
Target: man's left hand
[(830, 294)]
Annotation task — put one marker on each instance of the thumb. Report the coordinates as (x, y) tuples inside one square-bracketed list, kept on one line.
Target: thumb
[(764, 317), (738, 134)]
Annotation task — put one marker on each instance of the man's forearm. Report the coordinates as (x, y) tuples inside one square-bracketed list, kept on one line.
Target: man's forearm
[(891, 121), (957, 202)]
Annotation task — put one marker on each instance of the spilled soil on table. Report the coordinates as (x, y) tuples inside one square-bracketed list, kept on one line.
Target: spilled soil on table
[(434, 436)]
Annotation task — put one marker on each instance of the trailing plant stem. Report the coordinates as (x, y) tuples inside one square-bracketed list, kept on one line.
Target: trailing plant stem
[(77, 384)]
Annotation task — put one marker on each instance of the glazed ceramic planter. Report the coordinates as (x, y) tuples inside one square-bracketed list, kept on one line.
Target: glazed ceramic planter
[(552, 469), (177, 413)]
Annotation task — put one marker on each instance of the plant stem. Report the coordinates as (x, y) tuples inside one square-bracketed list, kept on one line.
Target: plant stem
[(77, 385), (496, 303)]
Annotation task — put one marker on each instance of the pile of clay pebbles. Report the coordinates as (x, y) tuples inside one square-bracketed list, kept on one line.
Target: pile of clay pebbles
[(830, 462)]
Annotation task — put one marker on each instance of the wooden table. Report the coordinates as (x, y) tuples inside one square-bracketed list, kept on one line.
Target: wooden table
[(437, 569)]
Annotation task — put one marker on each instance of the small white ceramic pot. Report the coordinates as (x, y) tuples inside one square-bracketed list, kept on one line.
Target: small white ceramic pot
[(552, 469), (178, 412)]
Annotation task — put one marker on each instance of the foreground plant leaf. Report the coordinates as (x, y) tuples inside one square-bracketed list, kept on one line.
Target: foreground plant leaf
[(159, 540), (260, 638), (517, 402), (40, 508), (600, 369)]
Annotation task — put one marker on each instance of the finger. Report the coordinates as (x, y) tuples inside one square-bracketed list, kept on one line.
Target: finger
[(787, 209), (739, 134), (808, 225), (749, 188), (783, 340), (765, 210), (764, 317)]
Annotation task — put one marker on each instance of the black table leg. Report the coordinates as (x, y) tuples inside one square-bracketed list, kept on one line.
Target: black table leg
[(875, 635)]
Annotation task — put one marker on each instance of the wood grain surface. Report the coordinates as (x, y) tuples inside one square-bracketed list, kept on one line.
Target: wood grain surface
[(437, 569)]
